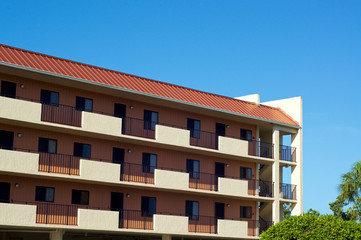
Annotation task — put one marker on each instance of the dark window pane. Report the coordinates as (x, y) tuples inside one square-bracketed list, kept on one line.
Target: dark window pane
[(8, 89), (194, 126), (149, 162), (47, 145), (148, 206), (193, 168), (246, 173), (44, 194), (49, 97), (192, 209), (84, 104), (4, 192), (246, 212), (150, 119), (80, 197), (119, 110), (82, 150), (246, 134), (6, 140)]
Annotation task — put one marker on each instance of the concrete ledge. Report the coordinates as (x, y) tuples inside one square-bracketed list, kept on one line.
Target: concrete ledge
[(235, 187), (171, 179), (22, 110), (171, 135), (17, 214), (170, 224), (230, 228), (99, 171), (233, 146), (19, 162), (93, 122), (98, 219)]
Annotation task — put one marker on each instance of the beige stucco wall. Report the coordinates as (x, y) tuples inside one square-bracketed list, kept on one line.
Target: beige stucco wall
[(19, 162), (98, 219), (171, 179), (20, 110), (229, 228), (17, 214), (170, 224), (171, 135), (93, 122), (233, 187), (99, 171), (233, 146)]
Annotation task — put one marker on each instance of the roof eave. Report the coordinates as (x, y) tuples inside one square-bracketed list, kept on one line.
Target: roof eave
[(6, 64)]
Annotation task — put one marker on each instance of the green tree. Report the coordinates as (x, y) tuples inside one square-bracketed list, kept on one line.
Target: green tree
[(348, 204), (313, 226)]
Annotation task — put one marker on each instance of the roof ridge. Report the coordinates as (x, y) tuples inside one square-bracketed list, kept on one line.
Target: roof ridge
[(128, 74)]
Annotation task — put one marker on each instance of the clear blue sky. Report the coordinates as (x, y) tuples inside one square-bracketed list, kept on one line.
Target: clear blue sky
[(278, 49)]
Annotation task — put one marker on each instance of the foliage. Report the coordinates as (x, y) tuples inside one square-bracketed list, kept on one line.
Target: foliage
[(349, 197), (312, 225), (286, 211)]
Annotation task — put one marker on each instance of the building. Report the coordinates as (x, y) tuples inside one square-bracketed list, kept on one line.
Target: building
[(91, 153)]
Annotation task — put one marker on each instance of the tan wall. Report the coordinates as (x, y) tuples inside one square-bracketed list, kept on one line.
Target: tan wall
[(99, 195), (102, 149), (105, 103)]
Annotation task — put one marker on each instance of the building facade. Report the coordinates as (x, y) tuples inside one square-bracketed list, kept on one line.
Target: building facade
[(87, 152)]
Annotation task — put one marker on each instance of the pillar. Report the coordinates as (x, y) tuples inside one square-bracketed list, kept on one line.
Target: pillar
[(57, 234)]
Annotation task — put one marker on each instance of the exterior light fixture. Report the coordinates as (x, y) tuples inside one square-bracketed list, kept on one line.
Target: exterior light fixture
[(227, 165), (228, 205), (128, 195), (22, 85), (227, 126), (129, 150), (20, 134), (131, 107), (17, 185)]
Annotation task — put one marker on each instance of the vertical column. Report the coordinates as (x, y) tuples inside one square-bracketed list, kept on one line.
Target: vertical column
[(57, 234), (166, 237), (297, 173), (276, 176)]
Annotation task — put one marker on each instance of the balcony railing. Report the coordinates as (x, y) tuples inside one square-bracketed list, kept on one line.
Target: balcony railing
[(134, 219), (59, 163), (288, 191), (56, 214), (202, 224), (61, 114), (287, 153), (204, 139), (131, 172), (260, 149), (260, 188), (204, 181), (139, 128)]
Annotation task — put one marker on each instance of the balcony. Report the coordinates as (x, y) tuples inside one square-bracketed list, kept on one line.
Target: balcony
[(260, 149), (288, 191), (287, 153), (98, 218)]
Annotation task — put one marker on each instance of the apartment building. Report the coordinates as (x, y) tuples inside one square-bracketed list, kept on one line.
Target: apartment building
[(91, 153)]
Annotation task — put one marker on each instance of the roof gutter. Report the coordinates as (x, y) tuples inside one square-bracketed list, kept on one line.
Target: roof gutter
[(143, 94)]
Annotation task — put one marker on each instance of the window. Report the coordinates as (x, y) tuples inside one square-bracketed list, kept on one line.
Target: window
[(47, 145), (44, 194), (49, 97), (150, 119), (149, 162), (80, 197), (148, 206), (4, 192), (119, 110), (246, 173), (84, 104), (192, 210), (246, 212), (246, 135), (82, 150), (8, 89), (194, 126), (193, 168), (6, 140)]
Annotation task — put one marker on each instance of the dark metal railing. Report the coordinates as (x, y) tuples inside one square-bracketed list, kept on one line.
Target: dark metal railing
[(288, 191), (61, 114), (205, 181), (204, 224), (56, 214), (135, 219), (58, 163), (260, 149), (287, 153), (138, 127), (131, 172), (204, 139), (260, 188)]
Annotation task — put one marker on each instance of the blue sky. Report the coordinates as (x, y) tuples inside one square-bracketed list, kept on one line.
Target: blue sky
[(278, 49)]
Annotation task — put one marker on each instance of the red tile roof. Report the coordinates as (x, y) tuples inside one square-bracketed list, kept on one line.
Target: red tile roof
[(109, 77)]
